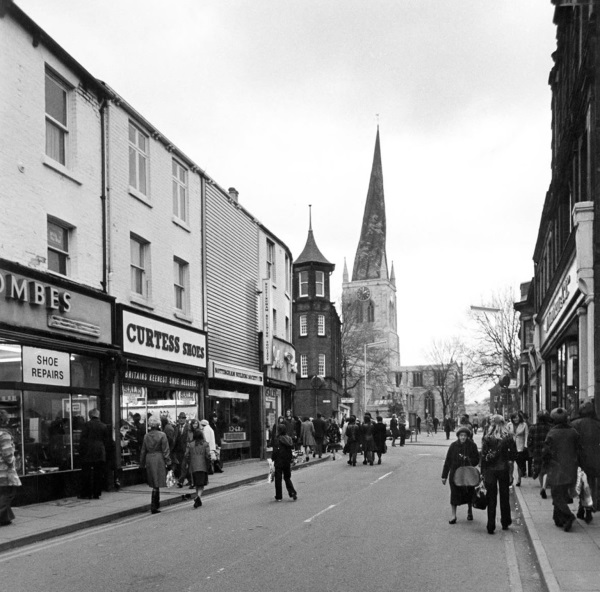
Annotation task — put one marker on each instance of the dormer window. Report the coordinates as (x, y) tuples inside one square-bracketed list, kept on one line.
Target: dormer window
[(319, 283)]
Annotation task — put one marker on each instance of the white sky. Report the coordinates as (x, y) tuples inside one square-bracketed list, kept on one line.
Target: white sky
[(278, 98)]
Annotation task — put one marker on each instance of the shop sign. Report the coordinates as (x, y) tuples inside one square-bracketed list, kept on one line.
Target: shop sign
[(235, 373), (267, 313), (25, 302), (563, 294), (152, 378), (46, 366), (347, 400), (151, 338)]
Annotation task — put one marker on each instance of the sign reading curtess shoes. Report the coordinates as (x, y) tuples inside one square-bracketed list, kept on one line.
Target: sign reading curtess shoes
[(151, 338)]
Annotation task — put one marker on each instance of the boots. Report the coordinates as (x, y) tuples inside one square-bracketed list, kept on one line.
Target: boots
[(588, 515), (155, 502)]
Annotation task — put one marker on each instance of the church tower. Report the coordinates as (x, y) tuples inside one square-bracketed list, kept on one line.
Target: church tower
[(369, 308)]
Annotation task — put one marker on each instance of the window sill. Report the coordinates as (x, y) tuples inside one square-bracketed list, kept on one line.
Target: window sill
[(61, 169), (183, 317), (141, 301), (181, 223), (139, 196)]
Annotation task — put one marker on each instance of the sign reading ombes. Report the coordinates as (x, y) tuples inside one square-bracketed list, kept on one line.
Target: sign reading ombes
[(144, 336)]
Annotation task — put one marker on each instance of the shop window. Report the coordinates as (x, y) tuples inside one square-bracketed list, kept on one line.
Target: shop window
[(85, 372), (58, 246), (10, 362), (232, 422)]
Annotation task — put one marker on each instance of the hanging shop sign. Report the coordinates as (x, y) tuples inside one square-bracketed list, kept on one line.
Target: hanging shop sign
[(151, 338), (46, 366), (28, 301), (562, 296), (235, 373)]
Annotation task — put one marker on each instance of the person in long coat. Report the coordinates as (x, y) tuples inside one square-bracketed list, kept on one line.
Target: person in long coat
[(379, 438), (352, 434), (197, 458), (462, 452), (520, 431), (155, 458), (447, 426), (93, 442), (334, 437), (366, 439), (282, 459), (561, 450), (9, 480), (498, 450), (394, 429), (588, 427), (535, 445), (307, 436)]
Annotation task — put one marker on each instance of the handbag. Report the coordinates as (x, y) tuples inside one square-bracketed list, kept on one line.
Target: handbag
[(209, 467), (467, 476), (480, 500)]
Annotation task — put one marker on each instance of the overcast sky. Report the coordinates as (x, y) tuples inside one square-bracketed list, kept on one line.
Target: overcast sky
[(279, 99)]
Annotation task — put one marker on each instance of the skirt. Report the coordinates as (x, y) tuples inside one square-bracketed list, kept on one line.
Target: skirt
[(460, 495), (200, 478)]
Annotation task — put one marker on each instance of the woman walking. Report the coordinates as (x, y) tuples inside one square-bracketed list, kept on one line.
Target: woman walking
[(353, 440), (394, 429), (197, 458), (333, 437), (282, 459), (307, 436), (520, 431), (535, 445), (463, 452), (498, 450), (154, 457), (367, 440)]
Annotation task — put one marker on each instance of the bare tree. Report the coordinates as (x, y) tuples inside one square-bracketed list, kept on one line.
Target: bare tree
[(495, 348), (445, 365)]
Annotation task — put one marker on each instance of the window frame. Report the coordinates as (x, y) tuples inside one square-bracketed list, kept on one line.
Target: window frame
[(320, 283), (303, 328), (181, 272), (321, 325), (303, 284), (63, 128), (180, 186), (144, 250), (303, 366), (271, 266), (134, 146), (62, 253), (321, 369), (417, 378)]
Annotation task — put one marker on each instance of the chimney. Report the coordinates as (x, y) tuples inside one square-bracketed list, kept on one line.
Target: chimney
[(234, 194)]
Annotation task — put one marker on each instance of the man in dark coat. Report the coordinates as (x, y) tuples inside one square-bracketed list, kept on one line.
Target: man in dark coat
[(394, 429), (379, 436), (560, 455), (588, 427), (447, 426), (320, 426), (418, 424), (179, 447), (282, 458), (436, 423), (93, 443)]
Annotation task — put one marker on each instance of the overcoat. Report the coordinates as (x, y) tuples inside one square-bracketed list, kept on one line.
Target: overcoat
[(307, 433), (93, 441), (379, 436), (394, 428), (460, 455), (8, 472), (155, 458), (560, 456), (197, 456), (588, 428)]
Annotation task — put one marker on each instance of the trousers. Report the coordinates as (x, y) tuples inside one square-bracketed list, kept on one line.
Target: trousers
[(284, 471), (498, 482)]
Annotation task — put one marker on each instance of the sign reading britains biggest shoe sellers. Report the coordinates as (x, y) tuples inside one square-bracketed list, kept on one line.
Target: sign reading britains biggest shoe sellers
[(151, 338)]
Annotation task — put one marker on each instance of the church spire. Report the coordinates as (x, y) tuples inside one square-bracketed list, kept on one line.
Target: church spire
[(345, 276), (371, 259)]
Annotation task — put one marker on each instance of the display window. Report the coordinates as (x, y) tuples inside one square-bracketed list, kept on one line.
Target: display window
[(46, 420), (232, 421)]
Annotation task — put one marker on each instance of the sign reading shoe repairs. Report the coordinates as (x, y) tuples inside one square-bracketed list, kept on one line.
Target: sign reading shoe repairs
[(151, 338), (46, 366)]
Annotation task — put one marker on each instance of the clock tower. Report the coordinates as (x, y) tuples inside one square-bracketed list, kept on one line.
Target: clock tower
[(369, 308)]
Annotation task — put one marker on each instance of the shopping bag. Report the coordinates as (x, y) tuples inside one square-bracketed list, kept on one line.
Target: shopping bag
[(171, 479), (480, 501), (271, 474)]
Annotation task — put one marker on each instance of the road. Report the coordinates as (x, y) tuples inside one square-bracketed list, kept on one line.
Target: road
[(376, 528)]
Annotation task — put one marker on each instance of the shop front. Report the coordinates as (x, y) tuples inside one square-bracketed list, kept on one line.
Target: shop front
[(162, 374), (56, 364), (235, 399)]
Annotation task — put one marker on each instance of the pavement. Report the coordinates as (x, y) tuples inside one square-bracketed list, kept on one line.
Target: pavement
[(568, 561)]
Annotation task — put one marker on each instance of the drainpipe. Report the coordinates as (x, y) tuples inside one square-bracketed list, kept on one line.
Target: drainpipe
[(103, 194)]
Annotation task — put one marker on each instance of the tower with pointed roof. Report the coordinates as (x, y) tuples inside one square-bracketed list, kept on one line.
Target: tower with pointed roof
[(316, 334), (370, 307)]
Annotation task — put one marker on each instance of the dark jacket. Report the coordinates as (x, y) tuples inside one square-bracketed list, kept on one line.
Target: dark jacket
[(320, 428), (394, 428), (282, 451), (560, 455), (93, 441), (588, 428), (536, 438), (460, 455), (496, 453), (379, 435)]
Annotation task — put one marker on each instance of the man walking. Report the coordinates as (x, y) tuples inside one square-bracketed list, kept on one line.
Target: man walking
[(320, 426), (282, 458), (179, 448), (92, 452)]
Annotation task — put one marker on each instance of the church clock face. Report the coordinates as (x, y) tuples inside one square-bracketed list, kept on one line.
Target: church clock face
[(363, 293)]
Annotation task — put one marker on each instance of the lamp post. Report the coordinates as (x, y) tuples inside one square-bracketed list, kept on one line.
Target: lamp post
[(495, 310), (373, 344)]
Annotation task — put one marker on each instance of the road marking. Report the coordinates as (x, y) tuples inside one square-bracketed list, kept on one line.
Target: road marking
[(384, 476), (423, 454), (321, 512)]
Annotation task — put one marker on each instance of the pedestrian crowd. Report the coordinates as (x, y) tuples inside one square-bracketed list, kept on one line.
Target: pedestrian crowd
[(561, 452)]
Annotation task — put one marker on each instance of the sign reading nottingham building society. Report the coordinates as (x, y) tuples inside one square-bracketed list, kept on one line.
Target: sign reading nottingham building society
[(267, 310)]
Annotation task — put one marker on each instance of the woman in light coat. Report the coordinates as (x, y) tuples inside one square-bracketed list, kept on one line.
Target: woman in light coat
[(9, 480), (197, 458), (154, 457), (307, 436), (520, 431)]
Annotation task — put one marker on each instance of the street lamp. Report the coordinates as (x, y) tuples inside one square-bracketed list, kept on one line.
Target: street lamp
[(373, 344), (495, 310)]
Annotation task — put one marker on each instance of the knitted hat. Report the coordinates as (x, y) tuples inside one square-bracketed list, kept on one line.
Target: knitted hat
[(559, 415)]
